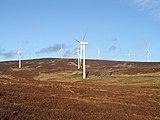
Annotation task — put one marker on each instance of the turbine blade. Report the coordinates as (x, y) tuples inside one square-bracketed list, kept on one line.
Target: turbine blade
[(84, 36), (74, 52), (77, 40)]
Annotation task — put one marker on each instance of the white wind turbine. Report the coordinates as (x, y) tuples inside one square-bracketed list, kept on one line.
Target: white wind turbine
[(81, 47), (78, 57), (61, 51), (129, 56), (82, 54), (148, 53), (19, 53), (99, 53)]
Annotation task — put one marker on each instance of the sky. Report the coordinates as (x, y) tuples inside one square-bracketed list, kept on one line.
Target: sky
[(40, 28)]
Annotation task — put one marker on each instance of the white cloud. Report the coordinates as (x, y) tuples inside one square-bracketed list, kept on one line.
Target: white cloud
[(152, 7)]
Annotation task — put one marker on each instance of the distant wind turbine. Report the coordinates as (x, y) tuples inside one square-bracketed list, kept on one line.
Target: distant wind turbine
[(61, 51), (19, 53), (78, 57), (80, 52), (99, 53), (129, 56), (148, 53)]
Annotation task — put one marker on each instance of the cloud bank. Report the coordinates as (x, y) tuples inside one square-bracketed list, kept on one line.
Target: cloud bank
[(54, 48), (5, 54), (152, 7)]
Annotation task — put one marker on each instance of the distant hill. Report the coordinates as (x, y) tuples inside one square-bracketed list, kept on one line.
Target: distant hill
[(103, 68)]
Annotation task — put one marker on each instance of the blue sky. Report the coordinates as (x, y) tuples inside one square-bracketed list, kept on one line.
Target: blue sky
[(39, 27)]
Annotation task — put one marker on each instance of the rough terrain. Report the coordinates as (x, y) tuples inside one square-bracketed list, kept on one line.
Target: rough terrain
[(52, 89)]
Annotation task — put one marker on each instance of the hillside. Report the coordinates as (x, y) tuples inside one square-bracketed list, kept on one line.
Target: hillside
[(54, 89), (94, 67)]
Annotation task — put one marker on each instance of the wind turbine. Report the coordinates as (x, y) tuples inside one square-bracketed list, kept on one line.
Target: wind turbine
[(82, 54), (61, 51), (99, 53), (129, 56), (81, 47), (79, 51), (78, 57), (148, 52), (19, 53)]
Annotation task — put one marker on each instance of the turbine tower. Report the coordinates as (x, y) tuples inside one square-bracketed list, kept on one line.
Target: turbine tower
[(84, 59), (99, 53), (19, 53), (148, 53)]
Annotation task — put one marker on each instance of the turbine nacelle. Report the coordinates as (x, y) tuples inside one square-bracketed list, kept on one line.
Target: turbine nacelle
[(148, 51), (84, 43), (19, 52)]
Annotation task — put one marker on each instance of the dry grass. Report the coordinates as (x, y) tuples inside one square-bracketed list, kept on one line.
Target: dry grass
[(45, 93), (139, 81), (94, 96), (72, 63), (152, 80), (68, 76), (2, 76), (122, 65)]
